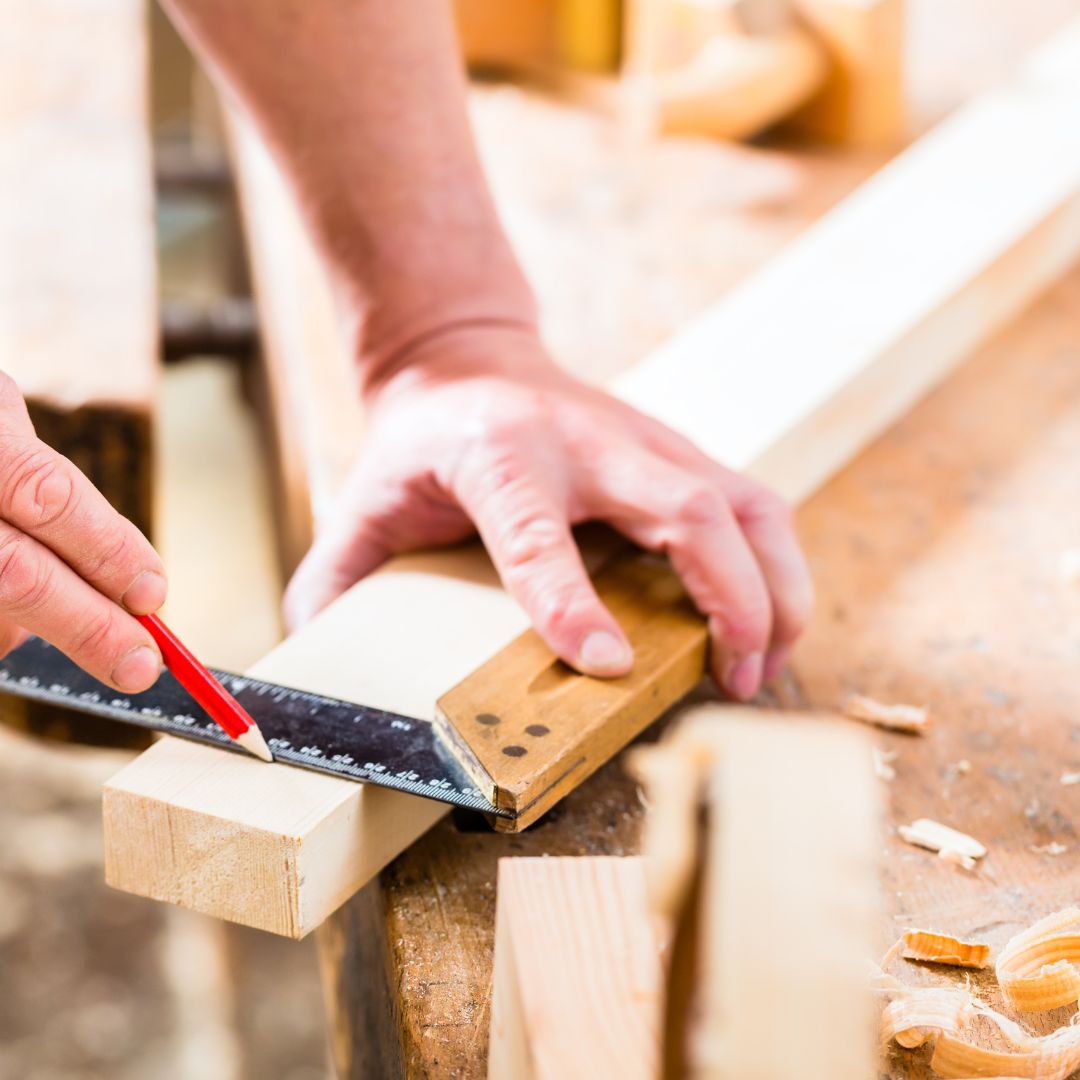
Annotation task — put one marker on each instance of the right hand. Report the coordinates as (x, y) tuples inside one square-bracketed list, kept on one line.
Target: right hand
[(72, 569)]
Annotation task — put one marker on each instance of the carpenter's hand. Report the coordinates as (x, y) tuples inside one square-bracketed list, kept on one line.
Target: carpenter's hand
[(485, 429), (68, 560)]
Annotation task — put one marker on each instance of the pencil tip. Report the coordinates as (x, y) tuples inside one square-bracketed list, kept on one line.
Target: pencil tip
[(253, 742)]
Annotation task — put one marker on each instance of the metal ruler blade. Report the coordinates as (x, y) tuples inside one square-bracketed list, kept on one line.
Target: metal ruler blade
[(303, 729)]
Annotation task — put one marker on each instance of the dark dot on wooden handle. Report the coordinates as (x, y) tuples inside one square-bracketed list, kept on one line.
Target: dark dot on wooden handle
[(515, 751), (487, 718), (537, 730)]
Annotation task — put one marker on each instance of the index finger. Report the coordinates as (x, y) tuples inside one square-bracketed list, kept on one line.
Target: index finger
[(45, 496)]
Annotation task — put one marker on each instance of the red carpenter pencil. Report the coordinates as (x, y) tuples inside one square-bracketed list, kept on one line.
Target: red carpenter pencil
[(206, 690)]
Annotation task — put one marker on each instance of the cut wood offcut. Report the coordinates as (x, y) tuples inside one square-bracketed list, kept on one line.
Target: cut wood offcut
[(787, 378), (578, 959)]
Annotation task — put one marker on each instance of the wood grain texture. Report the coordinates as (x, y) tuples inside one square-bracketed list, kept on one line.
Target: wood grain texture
[(888, 291), (578, 978), (529, 729), (78, 302)]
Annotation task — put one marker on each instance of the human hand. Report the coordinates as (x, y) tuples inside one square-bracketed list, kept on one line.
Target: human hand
[(481, 431), (69, 563)]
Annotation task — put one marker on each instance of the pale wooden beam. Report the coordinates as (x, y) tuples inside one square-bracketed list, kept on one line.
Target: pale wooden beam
[(776, 915), (78, 291), (789, 377)]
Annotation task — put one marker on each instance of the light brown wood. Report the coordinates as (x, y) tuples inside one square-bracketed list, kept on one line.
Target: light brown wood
[(78, 303), (578, 974), (782, 923), (861, 101), (530, 729), (887, 292)]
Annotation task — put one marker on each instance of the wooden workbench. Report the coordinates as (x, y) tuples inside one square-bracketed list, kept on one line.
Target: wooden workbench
[(935, 555)]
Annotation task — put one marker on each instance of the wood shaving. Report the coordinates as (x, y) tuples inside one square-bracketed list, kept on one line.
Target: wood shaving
[(949, 1019), (1053, 848), (950, 844), (883, 760), (909, 718), (963, 766), (1037, 969), (942, 949), (1070, 778)]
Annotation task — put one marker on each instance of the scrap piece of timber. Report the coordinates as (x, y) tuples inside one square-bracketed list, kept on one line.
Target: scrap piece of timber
[(78, 296), (841, 333), (775, 933), (578, 979), (279, 848), (529, 729), (789, 901), (861, 101), (78, 293), (762, 427)]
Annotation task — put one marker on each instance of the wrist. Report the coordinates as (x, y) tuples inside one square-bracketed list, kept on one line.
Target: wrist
[(459, 349)]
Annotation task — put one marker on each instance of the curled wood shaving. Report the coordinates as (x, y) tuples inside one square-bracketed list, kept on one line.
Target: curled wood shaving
[(910, 718), (949, 1017), (942, 949), (950, 844), (1037, 969)]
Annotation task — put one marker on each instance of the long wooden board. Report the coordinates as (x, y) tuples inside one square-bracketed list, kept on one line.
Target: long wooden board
[(763, 428), (78, 292)]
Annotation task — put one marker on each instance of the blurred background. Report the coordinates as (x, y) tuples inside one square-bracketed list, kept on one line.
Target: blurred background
[(645, 155)]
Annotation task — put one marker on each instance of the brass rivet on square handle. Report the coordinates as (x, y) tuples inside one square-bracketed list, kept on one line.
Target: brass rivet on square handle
[(529, 729)]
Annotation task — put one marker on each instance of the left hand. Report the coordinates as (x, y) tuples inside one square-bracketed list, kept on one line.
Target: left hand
[(483, 432)]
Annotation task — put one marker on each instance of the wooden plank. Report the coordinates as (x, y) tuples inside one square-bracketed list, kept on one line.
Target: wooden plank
[(529, 729), (578, 984), (746, 430), (840, 334), (578, 978), (78, 302)]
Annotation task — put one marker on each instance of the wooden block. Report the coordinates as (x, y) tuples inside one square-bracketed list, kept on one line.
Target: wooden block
[(862, 101), (878, 301), (578, 978), (78, 300), (840, 334), (780, 924), (530, 729)]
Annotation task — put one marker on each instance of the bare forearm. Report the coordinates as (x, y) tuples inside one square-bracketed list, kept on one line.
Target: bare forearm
[(362, 103)]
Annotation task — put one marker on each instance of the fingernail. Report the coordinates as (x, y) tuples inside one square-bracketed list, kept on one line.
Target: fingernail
[(774, 663), (602, 653), (146, 593), (744, 679), (137, 670)]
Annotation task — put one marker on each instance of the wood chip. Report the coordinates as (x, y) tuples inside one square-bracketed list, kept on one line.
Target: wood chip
[(1053, 848), (909, 718), (950, 844), (1070, 778), (942, 949), (883, 760), (1037, 969)]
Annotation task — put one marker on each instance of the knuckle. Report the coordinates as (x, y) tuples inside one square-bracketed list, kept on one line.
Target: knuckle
[(24, 581), (555, 609), (699, 505), (37, 489), (113, 551), (94, 636), (768, 507), (749, 623), (531, 540)]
